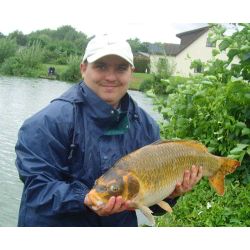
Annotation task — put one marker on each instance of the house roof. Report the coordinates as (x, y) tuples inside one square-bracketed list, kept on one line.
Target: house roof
[(172, 49), (156, 49), (190, 36)]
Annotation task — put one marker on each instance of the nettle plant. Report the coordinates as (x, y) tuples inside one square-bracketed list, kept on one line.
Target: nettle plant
[(214, 107)]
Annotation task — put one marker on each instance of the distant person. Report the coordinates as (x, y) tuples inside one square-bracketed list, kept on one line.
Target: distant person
[(51, 71), (65, 147)]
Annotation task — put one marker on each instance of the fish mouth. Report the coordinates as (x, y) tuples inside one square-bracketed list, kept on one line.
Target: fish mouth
[(95, 200)]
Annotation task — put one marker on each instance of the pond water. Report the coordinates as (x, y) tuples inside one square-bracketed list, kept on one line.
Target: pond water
[(19, 99)]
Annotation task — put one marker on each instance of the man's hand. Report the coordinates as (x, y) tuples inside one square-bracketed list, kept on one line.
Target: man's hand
[(190, 179), (114, 205)]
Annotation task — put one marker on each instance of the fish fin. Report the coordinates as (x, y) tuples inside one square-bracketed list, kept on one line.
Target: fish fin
[(165, 206), (217, 182), (147, 212), (191, 143), (228, 165)]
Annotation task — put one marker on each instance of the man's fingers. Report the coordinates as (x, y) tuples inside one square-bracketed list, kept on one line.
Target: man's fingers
[(118, 204), (114, 205), (200, 173), (186, 179), (194, 172), (110, 205)]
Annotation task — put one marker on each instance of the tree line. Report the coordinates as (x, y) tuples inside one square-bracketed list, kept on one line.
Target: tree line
[(22, 54)]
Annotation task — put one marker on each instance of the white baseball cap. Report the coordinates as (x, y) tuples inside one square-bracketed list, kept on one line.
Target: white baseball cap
[(103, 45)]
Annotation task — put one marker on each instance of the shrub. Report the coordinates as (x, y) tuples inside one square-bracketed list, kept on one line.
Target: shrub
[(164, 68), (72, 73), (26, 62), (205, 110), (146, 85), (31, 56), (8, 48)]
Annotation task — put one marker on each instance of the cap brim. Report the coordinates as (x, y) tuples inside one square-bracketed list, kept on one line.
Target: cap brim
[(97, 56)]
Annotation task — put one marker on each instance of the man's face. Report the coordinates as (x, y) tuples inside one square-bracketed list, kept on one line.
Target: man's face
[(108, 77)]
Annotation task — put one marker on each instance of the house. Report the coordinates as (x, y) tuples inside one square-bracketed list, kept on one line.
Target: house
[(194, 44)]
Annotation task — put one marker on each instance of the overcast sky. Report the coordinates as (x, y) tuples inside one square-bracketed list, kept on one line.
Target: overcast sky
[(148, 20)]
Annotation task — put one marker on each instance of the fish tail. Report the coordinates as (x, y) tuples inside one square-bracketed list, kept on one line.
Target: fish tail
[(228, 165), (217, 181)]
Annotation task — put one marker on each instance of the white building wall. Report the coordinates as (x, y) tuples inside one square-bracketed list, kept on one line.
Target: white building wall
[(196, 50), (154, 60)]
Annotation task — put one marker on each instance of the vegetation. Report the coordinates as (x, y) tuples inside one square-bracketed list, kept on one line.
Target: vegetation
[(214, 108), (138, 79), (8, 48), (26, 55), (202, 207)]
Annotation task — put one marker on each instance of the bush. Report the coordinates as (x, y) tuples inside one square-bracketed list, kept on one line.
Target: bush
[(8, 48), (13, 66), (164, 69), (72, 73), (146, 85), (31, 56), (26, 62), (203, 109)]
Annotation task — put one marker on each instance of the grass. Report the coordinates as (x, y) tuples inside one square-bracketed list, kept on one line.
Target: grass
[(59, 69), (137, 79)]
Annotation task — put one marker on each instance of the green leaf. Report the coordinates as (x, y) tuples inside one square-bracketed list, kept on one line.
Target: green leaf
[(215, 52), (247, 96), (245, 131), (240, 125), (234, 156), (238, 149), (248, 150), (225, 44), (232, 53)]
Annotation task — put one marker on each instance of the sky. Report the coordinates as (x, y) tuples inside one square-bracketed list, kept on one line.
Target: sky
[(148, 20)]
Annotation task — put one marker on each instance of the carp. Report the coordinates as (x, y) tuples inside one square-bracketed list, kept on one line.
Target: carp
[(150, 174)]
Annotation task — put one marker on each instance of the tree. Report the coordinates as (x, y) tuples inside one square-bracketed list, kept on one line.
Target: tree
[(137, 46), (20, 38)]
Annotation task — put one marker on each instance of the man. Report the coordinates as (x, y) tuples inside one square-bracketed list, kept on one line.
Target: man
[(65, 147)]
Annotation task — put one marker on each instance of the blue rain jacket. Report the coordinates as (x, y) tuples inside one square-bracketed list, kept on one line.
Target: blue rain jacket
[(65, 147)]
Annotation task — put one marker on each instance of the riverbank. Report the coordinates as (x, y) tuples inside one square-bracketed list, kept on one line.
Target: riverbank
[(137, 78)]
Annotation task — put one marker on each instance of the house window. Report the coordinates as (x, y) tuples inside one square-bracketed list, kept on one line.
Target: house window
[(198, 69), (210, 44)]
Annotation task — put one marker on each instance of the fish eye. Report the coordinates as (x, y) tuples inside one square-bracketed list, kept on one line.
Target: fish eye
[(114, 188)]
